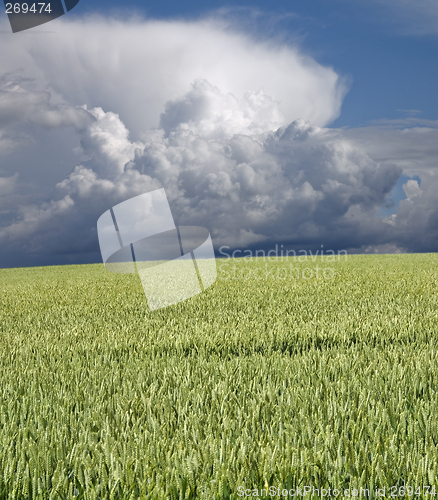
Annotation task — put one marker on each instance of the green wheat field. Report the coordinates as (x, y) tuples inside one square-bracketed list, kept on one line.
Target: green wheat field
[(258, 382)]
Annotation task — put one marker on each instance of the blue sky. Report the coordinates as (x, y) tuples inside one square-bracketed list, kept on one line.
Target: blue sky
[(297, 122)]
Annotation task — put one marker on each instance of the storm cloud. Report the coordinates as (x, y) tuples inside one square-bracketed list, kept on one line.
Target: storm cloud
[(256, 165)]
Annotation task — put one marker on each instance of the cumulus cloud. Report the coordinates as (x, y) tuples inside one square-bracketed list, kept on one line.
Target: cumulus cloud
[(135, 67), (411, 189), (29, 129), (415, 226), (227, 166), (206, 111), (233, 129), (20, 105)]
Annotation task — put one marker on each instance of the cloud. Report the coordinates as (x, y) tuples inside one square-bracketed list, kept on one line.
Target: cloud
[(414, 149), (7, 186), (136, 66), (20, 105), (415, 226), (136, 106), (417, 216), (35, 141), (225, 165), (206, 111), (411, 189), (404, 123)]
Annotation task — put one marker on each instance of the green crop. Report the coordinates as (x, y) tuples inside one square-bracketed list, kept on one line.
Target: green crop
[(257, 382)]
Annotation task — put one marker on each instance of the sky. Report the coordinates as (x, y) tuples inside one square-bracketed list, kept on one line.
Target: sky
[(301, 123)]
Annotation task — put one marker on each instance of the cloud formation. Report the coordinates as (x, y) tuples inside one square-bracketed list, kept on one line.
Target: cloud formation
[(256, 165), (18, 105), (135, 67), (227, 166)]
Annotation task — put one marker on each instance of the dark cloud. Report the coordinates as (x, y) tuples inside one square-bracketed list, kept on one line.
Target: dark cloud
[(226, 166)]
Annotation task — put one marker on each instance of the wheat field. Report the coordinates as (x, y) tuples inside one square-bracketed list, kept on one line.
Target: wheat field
[(270, 378)]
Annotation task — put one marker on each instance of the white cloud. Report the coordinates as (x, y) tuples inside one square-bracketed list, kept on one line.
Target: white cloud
[(206, 111), (135, 67), (212, 116), (223, 167), (411, 189), (21, 105), (109, 136)]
